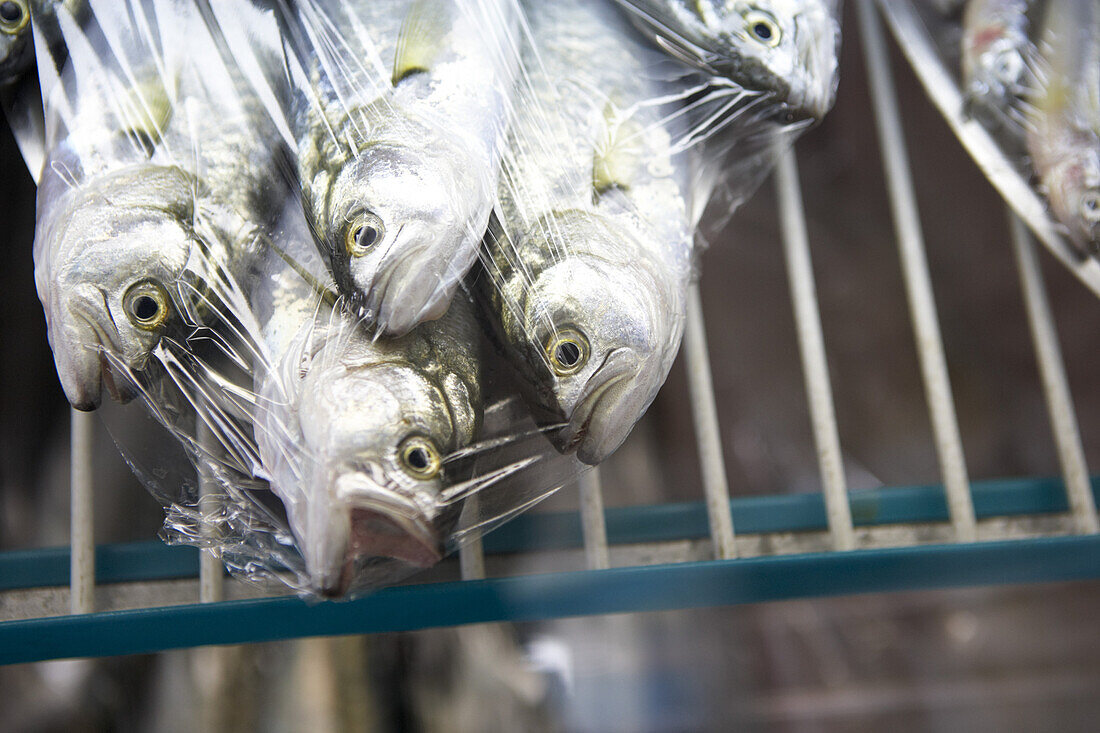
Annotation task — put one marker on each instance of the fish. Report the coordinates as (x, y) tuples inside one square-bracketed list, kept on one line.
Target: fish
[(786, 48), (588, 262), (161, 181), (995, 58), (400, 112), (355, 433), (1063, 113), (16, 50), (17, 53)]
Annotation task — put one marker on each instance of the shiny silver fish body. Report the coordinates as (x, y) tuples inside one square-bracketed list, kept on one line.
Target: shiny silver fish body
[(787, 48), (589, 267), (400, 131), (160, 184), (355, 431), (1064, 117), (995, 57)]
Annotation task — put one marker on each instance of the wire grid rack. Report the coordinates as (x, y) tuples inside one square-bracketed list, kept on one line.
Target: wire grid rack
[(85, 600)]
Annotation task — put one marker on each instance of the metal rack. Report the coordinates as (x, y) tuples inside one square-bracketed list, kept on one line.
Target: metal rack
[(141, 597)]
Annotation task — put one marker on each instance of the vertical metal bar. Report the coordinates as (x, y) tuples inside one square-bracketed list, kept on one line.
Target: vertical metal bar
[(1052, 372), (918, 285), (471, 556), (211, 575), (704, 413), (811, 344), (82, 535), (593, 524)]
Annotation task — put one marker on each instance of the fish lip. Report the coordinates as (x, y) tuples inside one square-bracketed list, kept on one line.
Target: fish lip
[(576, 431)]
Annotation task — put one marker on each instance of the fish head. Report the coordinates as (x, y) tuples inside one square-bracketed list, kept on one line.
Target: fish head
[(402, 233), (16, 55), (375, 436), (784, 47), (994, 81), (108, 288), (595, 334), (1074, 194)]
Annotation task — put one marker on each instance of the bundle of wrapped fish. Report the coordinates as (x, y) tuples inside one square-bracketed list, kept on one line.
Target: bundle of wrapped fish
[(389, 271), (1029, 71)]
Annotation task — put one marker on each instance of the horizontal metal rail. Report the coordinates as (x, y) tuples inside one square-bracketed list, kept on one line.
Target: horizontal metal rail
[(555, 595), (146, 561)]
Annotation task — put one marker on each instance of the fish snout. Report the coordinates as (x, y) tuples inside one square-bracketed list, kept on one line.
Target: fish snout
[(414, 286), (612, 401)]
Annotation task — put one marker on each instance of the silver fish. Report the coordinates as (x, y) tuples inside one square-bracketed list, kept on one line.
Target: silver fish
[(401, 120), (589, 267), (787, 48), (355, 432), (995, 57), (161, 180), (16, 51), (1064, 117)]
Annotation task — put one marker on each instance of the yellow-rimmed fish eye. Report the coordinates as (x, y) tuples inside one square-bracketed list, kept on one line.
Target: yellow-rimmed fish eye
[(14, 16), (420, 458), (763, 28), (567, 352), (146, 305), (364, 230), (1090, 206)]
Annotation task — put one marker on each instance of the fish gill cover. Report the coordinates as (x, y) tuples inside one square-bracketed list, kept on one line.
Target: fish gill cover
[(386, 273)]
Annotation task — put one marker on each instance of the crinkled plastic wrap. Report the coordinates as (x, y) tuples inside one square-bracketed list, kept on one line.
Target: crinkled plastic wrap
[(385, 274), (1029, 73)]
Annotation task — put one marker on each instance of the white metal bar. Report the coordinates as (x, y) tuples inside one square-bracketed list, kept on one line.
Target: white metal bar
[(1052, 372), (918, 285), (593, 524), (811, 344), (471, 556), (82, 534), (704, 414), (211, 574)]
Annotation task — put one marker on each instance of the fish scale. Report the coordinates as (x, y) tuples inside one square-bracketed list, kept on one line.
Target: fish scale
[(163, 174), (400, 112), (595, 234), (338, 407)]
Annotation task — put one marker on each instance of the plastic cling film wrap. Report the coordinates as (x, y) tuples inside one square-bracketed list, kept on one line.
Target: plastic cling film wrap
[(385, 274)]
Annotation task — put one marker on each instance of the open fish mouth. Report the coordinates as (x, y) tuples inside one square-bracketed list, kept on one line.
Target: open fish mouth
[(382, 533), (382, 524)]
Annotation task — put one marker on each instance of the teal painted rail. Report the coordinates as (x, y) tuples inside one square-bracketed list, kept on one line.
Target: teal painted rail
[(533, 532), (790, 513), (555, 595)]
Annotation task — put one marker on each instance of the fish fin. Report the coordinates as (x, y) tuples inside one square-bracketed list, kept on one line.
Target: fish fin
[(145, 112), (617, 156), (420, 37)]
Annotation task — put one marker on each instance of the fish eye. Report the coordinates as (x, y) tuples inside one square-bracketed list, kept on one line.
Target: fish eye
[(1090, 206), (14, 16), (420, 458), (1007, 67), (146, 305), (763, 28), (567, 352), (363, 232)]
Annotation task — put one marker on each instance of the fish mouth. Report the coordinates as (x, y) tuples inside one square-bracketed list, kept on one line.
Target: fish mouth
[(598, 424), (404, 294), (382, 524)]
